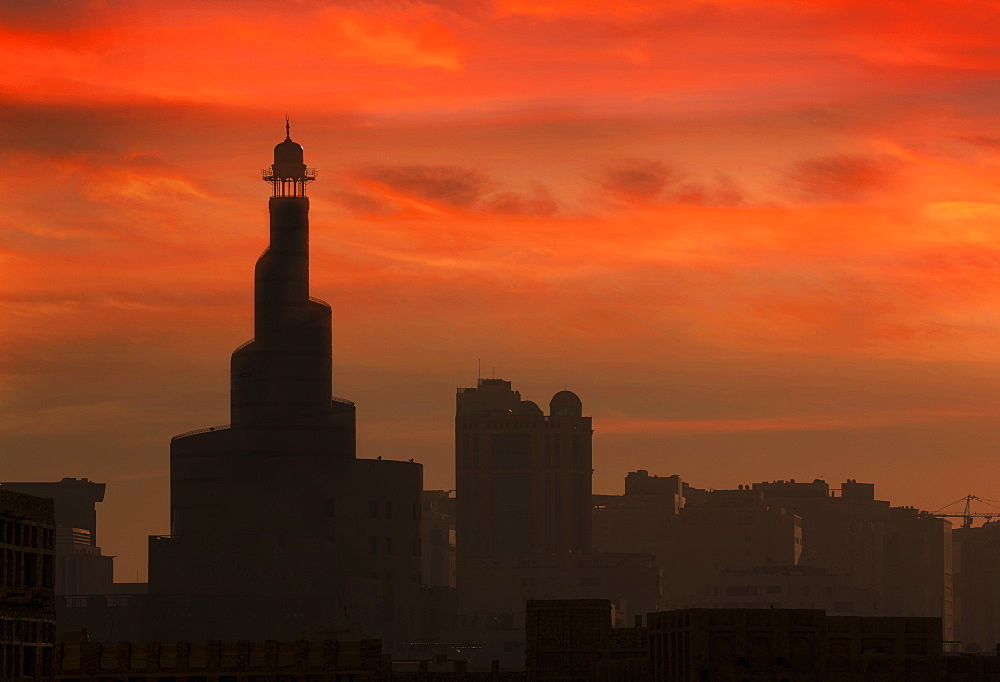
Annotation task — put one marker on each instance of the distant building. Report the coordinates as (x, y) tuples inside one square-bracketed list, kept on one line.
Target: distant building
[(523, 498), (785, 544), (784, 587), (977, 587), (437, 528), (81, 567), (27, 580), (919, 566), (523, 478), (902, 557), (642, 519), (696, 535)]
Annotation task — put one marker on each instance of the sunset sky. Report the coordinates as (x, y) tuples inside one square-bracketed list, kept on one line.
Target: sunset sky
[(759, 239)]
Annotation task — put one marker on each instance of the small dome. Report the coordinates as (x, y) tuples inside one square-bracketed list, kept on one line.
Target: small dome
[(565, 404), (288, 152), (528, 407)]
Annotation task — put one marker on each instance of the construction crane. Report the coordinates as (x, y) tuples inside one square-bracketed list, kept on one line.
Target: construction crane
[(968, 515)]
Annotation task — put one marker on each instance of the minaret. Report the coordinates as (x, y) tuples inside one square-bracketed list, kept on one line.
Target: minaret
[(284, 373), (276, 526)]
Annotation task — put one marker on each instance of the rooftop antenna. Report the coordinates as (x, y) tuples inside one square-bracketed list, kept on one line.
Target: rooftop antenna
[(288, 129), (479, 370)]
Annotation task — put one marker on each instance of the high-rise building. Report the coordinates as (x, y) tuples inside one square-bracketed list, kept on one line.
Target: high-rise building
[(523, 478), (277, 529), (977, 587), (523, 501), (898, 555)]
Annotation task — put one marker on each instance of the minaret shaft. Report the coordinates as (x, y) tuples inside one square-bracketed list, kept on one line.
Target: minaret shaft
[(284, 374), (281, 278)]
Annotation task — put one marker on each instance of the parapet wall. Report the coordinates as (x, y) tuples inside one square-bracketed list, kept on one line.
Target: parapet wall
[(92, 661)]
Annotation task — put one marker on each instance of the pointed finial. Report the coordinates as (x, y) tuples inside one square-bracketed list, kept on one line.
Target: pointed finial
[(288, 129)]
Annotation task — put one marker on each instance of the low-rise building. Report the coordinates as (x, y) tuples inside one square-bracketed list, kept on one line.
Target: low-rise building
[(695, 645), (81, 566), (218, 661)]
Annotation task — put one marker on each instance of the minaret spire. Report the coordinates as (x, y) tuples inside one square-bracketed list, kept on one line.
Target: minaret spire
[(288, 129)]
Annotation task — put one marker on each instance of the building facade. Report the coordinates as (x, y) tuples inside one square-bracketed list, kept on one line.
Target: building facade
[(523, 501), (81, 566), (692, 645), (27, 586), (977, 587), (523, 478)]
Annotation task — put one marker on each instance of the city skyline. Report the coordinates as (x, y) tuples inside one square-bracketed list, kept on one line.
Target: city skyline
[(740, 265)]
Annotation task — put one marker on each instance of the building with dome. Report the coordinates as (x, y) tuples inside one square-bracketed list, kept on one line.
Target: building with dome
[(277, 530), (523, 477), (523, 484)]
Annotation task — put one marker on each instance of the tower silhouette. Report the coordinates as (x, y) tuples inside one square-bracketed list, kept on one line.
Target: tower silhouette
[(284, 374), (277, 529)]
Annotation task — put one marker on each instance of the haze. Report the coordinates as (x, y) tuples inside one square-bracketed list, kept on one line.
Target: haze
[(759, 240)]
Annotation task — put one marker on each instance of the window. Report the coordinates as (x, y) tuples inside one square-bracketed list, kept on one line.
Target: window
[(373, 545), (373, 509), (30, 568), (388, 545), (48, 571), (388, 509), (29, 661)]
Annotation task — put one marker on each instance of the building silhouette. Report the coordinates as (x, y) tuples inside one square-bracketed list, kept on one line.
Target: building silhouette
[(696, 535), (977, 586), (784, 544), (80, 566), (797, 644), (523, 517), (277, 529), (437, 527), (523, 477), (27, 581)]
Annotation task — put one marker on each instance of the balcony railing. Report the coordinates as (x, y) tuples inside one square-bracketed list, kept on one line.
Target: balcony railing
[(221, 427)]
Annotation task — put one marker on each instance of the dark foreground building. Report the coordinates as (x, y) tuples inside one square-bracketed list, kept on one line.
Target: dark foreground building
[(81, 567), (277, 530), (27, 607), (574, 640), (269, 661), (695, 645)]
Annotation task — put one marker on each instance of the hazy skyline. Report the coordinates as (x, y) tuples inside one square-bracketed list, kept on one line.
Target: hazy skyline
[(759, 240)]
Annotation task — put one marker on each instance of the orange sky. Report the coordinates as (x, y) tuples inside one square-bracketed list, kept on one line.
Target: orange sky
[(759, 239)]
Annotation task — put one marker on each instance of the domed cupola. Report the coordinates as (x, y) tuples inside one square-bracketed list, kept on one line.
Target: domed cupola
[(288, 152), (565, 404), (288, 174)]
